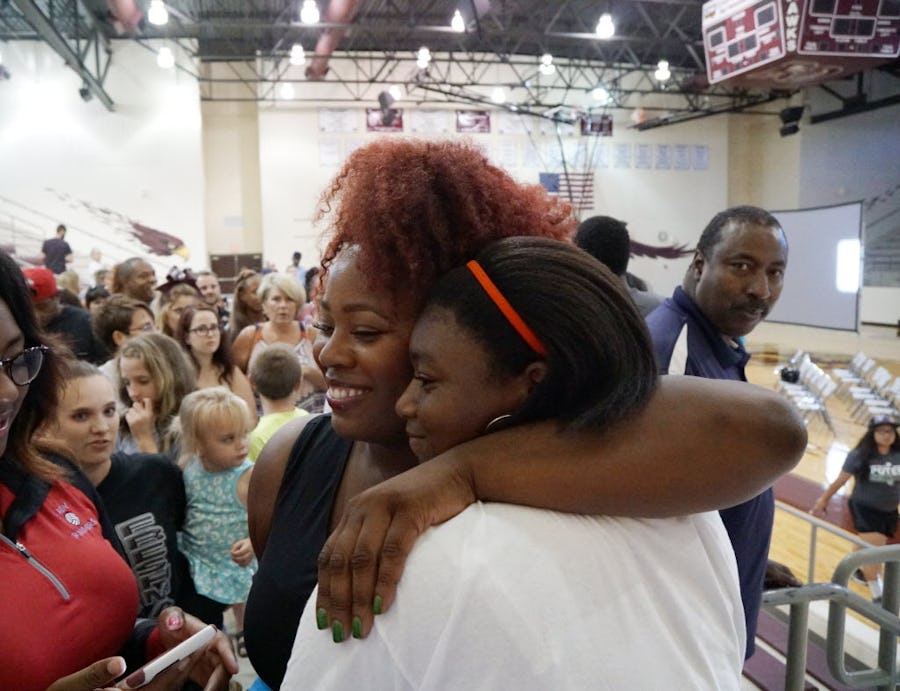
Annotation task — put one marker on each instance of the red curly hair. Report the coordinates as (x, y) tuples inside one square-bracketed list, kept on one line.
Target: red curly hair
[(417, 209)]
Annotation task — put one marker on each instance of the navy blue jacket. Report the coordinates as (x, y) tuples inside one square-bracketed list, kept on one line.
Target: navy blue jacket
[(709, 355)]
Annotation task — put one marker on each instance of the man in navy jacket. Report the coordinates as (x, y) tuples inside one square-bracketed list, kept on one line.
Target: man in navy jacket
[(734, 279)]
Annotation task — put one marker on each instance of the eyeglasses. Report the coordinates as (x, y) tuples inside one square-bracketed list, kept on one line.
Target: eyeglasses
[(148, 326), (24, 367), (206, 330)]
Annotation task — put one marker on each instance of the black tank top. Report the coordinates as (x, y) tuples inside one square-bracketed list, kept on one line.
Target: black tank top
[(300, 525)]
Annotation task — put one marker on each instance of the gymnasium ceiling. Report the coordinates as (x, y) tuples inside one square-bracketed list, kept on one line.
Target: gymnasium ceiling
[(377, 40)]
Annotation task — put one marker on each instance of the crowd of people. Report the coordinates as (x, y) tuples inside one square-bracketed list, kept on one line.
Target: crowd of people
[(134, 432), (61, 556), (459, 359)]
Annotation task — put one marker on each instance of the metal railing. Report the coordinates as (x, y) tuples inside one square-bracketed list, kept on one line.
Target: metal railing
[(817, 524), (841, 599)]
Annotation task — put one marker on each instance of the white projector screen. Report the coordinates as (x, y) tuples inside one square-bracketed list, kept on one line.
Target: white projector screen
[(811, 296)]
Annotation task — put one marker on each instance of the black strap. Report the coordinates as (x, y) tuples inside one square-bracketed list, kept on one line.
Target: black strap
[(30, 494)]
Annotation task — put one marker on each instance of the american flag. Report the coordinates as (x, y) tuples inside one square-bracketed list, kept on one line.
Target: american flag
[(575, 188)]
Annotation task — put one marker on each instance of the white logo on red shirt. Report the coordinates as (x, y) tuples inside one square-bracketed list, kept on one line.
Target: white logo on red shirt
[(72, 518)]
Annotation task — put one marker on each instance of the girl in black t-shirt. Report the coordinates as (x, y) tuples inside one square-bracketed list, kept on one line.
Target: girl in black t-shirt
[(875, 464)]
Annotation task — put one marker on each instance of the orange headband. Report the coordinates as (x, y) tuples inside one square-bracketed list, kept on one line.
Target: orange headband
[(508, 310)]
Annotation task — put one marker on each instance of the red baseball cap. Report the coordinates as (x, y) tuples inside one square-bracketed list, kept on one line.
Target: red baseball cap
[(41, 282)]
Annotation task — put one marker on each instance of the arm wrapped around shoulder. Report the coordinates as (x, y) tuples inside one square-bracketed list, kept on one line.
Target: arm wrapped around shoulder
[(698, 445)]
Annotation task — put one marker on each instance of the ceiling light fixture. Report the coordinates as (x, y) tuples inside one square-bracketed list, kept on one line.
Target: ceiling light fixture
[(286, 92), (547, 66), (605, 26), (157, 13), (309, 12), (396, 92), (298, 57), (165, 58), (600, 94), (498, 95), (662, 73), (423, 58), (458, 24)]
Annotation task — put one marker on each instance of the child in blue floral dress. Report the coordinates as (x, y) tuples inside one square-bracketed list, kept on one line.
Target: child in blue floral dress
[(214, 427)]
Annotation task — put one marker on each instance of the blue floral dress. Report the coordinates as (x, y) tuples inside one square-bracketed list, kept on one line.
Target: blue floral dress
[(215, 520)]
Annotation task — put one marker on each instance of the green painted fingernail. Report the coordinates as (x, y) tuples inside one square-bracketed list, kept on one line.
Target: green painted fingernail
[(321, 619), (356, 627), (337, 632), (376, 604)]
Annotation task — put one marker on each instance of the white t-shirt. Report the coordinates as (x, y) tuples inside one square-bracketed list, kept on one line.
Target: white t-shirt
[(510, 597)]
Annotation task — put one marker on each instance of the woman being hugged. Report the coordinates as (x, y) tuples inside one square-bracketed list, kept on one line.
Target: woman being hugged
[(155, 374), (874, 464), (201, 335)]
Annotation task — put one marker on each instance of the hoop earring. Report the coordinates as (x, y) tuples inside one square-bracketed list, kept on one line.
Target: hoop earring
[(497, 423)]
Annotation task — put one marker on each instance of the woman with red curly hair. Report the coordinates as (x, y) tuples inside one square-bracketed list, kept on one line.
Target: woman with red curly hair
[(420, 209), (402, 213)]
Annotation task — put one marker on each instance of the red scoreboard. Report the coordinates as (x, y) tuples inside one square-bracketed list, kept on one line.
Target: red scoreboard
[(794, 43)]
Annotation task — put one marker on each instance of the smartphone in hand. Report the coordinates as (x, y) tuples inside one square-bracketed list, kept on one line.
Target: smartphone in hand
[(158, 665)]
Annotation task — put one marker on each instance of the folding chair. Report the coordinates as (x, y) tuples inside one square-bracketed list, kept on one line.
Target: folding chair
[(814, 400), (847, 376), (877, 386), (886, 404), (860, 379), (804, 365)]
